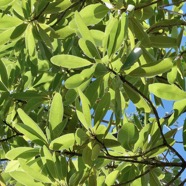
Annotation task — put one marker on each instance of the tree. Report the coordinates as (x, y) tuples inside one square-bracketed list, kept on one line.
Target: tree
[(69, 70)]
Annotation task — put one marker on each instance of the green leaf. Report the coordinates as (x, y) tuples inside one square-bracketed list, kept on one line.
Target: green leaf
[(171, 76), (137, 99), (30, 129), (95, 152), (30, 40), (63, 142), (36, 175), (93, 13), (89, 49), (70, 61), (7, 22), (24, 178), (85, 108), (22, 152), (128, 135), (121, 31), (132, 58), (56, 115), (153, 69), (110, 179), (5, 36), (166, 91), (184, 134), (86, 155), (179, 108), (77, 79), (49, 161), (163, 41), (101, 109), (154, 180), (112, 37), (5, 2), (138, 30), (82, 28)]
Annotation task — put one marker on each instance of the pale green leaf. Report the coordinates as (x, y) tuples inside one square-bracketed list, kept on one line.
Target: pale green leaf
[(63, 142), (70, 61), (128, 135), (101, 109), (56, 115), (82, 28), (30, 129), (153, 69), (36, 175), (110, 179), (166, 91), (22, 152), (24, 178)]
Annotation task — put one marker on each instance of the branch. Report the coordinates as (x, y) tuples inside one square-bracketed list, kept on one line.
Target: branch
[(177, 176), (156, 116), (144, 162), (182, 183), (14, 130), (37, 17), (64, 12), (135, 178), (146, 5), (6, 139)]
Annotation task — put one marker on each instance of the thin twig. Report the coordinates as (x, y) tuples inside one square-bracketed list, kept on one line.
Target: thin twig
[(176, 177), (64, 12), (135, 178), (37, 17), (6, 139)]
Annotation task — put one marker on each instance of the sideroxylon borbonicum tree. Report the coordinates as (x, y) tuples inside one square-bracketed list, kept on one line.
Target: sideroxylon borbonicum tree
[(69, 69)]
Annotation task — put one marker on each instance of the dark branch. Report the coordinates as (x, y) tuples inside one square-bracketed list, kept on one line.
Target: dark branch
[(38, 16), (135, 178)]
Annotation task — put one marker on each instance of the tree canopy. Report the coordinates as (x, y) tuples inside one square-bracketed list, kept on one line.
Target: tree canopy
[(69, 69)]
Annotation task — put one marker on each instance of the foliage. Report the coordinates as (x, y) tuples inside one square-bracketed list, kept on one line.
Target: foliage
[(69, 70)]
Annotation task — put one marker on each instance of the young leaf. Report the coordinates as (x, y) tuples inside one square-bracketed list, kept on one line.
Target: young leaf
[(56, 115), (166, 91), (70, 61), (30, 129)]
